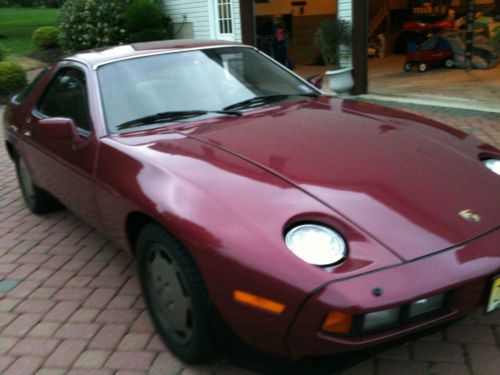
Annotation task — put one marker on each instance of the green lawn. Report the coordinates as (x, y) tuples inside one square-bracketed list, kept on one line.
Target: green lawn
[(18, 24)]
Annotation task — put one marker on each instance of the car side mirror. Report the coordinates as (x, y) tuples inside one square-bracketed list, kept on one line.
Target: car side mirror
[(57, 128), (316, 80)]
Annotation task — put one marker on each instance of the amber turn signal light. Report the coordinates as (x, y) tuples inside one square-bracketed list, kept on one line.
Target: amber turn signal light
[(258, 302), (337, 322)]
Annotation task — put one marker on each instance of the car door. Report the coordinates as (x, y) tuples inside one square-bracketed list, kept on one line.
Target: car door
[(64, 167)]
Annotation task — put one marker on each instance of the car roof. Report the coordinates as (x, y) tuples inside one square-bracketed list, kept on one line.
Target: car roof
[(105, 55)]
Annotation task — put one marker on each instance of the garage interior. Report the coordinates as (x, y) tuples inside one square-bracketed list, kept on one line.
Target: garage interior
[(387, 46)]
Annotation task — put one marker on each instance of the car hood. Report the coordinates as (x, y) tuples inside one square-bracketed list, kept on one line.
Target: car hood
[(400, 178)]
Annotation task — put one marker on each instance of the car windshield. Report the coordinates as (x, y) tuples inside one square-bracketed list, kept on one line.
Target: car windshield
[(202, 81)]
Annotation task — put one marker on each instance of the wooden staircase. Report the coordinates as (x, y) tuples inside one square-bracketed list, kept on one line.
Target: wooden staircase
[(379, 11)]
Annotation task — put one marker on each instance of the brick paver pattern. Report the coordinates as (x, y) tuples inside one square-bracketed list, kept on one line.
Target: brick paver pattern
[(70, 301)]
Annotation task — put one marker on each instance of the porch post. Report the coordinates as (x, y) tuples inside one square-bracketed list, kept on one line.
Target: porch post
[(360, 46), (247, 14), (469, 36)]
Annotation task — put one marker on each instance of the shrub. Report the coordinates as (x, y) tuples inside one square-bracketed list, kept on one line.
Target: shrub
[(331, 34), (89, 24), (168, 26), (147, 35), (23, 3), (32, 3), (46, 37), (50, 3), (145, 21), (2, 54), (12, 78), (496, 40), (141, 15)]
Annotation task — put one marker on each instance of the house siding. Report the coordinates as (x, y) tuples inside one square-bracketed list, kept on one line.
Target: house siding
[(344, 9), (198, 15), (237, 20)]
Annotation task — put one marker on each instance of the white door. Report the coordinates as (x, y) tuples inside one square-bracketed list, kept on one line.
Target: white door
[(224, 21)]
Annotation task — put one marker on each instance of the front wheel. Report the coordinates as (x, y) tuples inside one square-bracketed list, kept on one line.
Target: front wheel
[(37, 200), (175, 294), (407, 67), (422, 67), (449, 63)]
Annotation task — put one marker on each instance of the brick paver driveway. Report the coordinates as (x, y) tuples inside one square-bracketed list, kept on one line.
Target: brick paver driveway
[(70, 303)]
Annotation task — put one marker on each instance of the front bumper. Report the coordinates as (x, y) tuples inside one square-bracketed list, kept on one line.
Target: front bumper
[(464, 272)]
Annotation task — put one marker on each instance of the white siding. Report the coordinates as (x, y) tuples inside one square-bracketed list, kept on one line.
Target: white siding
[(237, 20), (344, 11), (199, 13)]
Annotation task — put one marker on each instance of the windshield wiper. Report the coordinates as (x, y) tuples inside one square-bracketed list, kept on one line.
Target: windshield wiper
[(171, 115), (265, 99)]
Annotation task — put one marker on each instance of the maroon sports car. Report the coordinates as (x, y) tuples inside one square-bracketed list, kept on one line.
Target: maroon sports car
[(311, 225)]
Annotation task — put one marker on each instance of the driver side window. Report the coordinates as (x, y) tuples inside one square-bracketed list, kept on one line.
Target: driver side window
[(66, 96)]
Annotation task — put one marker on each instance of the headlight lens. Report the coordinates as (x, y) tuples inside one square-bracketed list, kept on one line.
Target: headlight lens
[(316, 244), (493, 165)]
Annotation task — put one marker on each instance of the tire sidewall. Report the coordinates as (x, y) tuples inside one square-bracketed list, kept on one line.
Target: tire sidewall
[(39, 202), (201, 345), (29, 200)]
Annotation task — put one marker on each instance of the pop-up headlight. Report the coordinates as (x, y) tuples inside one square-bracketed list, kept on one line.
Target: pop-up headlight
[(493, 165)]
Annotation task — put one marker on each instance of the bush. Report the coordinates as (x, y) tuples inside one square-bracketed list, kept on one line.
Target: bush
[(168, 26), (46, 37), (31, 3), (141, 15), (147, 35), (50, 3), (496, 40), (331, 34), (2, 54), (12, 78), (89, 24), (23, 3), (145, 21)]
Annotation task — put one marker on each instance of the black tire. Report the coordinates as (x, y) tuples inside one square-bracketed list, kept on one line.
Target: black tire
[(37, 200), (422, 67), (407, 67), (175, 295), (449, 63)]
